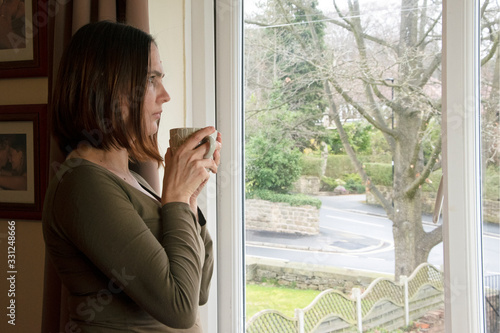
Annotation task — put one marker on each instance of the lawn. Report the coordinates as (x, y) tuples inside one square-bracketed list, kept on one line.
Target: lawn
[(284, 300)]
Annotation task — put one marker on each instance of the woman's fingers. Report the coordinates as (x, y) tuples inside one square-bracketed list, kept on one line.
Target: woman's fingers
[(192, 144), (218, 149), (186, 171), (198, 136)]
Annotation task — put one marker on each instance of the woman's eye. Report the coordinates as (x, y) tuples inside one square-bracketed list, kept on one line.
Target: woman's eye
[(151, 79)]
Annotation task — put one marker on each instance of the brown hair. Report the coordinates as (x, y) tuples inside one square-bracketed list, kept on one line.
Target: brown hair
[(103, 71)]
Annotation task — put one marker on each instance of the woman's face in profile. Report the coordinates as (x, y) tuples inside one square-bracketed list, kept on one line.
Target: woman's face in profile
[(16, 158), (156, 94)]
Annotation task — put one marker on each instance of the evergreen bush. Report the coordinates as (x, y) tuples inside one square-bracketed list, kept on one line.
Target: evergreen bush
[(291, 199), (271, 164)]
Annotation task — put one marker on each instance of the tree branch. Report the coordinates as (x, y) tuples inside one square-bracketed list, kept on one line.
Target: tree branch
[(413, 187), (483, 8), (492, 52), (416, 150), (434, 237), (346, 26), (352, 155), (356, 29), (337, 9), (426, 34), (427, 74), (257, 23), (381, 126)]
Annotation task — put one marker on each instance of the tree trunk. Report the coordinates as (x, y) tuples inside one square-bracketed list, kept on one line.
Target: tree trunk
[(411, 243), (324, 158), (408, 233)]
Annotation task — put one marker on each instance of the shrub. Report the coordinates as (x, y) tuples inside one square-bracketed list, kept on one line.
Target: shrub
[(291, 199), (338, 165), (379, 173), (378, 158), (353, 178), (354, 183), (328, 184), (492, 183), (271, 164), (311, 165), (359, 134)]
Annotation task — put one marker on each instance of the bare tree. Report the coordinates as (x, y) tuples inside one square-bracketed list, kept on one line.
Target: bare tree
[(392, 78)]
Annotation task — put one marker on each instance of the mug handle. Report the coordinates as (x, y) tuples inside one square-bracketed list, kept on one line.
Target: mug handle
[(213, 144)]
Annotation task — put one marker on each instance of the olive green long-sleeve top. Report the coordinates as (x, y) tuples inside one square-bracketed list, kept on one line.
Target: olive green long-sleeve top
[(129, 263)]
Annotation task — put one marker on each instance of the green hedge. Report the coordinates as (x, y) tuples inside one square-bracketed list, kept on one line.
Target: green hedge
[(341, 167), (492, 183), (379, 173), (311, 165), (338, 166), (292, 199)]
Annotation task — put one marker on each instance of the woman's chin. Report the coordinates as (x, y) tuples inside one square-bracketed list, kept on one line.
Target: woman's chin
[(153, 129)]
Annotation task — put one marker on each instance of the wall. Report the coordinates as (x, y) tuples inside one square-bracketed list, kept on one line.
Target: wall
[(307, 275), (281, 217), (166, 21), (30, 251), (307, 185)]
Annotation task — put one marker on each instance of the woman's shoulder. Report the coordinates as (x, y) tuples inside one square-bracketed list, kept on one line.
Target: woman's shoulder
[(82, 173), (77, 184)]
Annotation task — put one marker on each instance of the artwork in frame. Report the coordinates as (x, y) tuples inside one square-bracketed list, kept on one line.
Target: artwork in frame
[(23, 159), (23, 38)]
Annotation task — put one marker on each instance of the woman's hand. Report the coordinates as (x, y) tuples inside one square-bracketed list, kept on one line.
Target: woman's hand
[(193, 202), (186, 170)]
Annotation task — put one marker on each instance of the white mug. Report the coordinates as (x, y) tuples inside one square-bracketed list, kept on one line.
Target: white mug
[(179, 135)]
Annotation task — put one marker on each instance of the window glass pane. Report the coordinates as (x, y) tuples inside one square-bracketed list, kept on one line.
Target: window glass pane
[(490, 151), (343, 163)]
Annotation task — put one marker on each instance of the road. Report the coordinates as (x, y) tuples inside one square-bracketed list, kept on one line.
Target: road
[(354, 235)]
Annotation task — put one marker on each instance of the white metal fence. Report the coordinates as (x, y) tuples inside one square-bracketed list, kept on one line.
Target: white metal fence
[(383, 304)]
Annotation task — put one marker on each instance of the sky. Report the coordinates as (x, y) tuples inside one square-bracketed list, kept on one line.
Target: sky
[(326, 6)]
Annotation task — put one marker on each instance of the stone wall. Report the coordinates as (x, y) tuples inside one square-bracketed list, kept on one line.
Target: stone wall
[(307, 185), (490, 207), (306, 275), (281, 217)]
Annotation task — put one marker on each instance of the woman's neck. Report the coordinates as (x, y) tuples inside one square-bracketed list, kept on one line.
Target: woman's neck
[(115, 160)]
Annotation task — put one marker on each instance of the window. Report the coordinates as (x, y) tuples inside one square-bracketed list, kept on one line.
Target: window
[(490, 149), (336, 92), (462, 219)]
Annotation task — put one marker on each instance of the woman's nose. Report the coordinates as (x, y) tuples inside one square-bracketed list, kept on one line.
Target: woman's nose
[(164, 96)]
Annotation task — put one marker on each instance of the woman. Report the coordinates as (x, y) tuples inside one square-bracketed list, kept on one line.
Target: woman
[(132, 260)]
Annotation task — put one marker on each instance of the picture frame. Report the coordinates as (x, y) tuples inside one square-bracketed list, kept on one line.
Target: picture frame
[(23, 47), (23, 161)]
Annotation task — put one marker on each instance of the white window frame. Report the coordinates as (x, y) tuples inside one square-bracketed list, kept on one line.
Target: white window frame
[(462, 223), (462, 232), (230, 233), (199, 41), (213, 97)]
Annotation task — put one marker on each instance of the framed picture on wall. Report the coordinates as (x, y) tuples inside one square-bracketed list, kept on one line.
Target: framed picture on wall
[(23, 38), (23, 156)]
